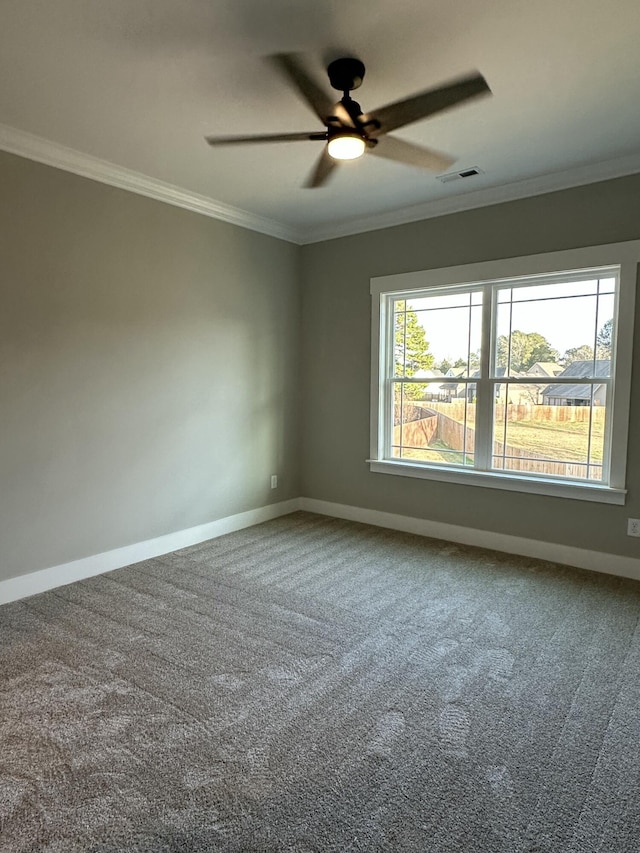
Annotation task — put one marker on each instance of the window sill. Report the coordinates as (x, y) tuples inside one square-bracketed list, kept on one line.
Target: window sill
[(507, 482)]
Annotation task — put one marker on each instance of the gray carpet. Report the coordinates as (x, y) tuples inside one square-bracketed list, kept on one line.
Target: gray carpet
[(316, 685)]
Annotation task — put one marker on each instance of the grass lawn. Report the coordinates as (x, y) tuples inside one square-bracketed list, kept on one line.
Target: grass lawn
[(566, 441), (450, 457), (554, 440)]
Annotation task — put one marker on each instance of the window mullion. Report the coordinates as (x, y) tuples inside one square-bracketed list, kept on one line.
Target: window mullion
[(386, 375), (484, 400), (390, 358), (608, 383)]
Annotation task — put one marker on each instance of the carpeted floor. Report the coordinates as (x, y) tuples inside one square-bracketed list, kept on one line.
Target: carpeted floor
[(316, 685)]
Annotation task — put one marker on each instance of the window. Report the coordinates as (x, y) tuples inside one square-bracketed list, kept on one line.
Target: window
[(511, 374)]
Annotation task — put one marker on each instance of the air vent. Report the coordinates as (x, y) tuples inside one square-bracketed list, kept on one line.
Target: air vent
[(464, 173)]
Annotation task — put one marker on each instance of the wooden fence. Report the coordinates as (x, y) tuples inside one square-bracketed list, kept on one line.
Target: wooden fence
[(520, 412), (452, 433), (418, 433), (430, 424)]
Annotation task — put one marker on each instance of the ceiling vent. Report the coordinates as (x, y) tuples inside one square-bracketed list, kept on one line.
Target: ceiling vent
[(464, 173)]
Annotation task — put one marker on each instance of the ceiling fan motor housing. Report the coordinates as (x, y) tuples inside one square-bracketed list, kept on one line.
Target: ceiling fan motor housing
[(346, 74)]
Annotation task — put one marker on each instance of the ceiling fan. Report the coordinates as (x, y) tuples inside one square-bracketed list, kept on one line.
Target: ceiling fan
[(350, 132)]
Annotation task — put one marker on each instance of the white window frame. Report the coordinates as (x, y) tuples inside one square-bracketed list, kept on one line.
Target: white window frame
[(626, 256)]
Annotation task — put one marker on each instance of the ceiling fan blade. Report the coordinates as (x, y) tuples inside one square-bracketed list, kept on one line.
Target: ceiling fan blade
[(322, 171), (268, 137), (428, 103), (413, 155), (312, 93)]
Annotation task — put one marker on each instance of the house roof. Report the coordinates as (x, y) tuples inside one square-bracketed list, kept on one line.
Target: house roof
[(549, 367), (471, 386), (428, 374), (579, 391)]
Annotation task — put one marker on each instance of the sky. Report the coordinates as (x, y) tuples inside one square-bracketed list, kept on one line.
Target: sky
[(565, 321)]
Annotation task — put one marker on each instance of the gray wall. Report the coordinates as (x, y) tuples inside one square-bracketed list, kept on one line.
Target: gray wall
[(148, 368), (149, 363), (336, 362)]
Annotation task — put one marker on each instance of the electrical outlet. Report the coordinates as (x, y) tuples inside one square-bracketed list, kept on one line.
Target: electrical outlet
[(274, 485), (633, 527)]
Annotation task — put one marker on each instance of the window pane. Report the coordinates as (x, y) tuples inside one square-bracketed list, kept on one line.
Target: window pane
[(558, 332), (436, 338), (399, 343), (560, 336), (604, 338), (434, 432), (548, 331), (454, 336), (412, 355), (596, 445), (558, 437)]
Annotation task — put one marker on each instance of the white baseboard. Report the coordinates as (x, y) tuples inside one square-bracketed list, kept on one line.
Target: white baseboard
[(44, 579), (596, 561)]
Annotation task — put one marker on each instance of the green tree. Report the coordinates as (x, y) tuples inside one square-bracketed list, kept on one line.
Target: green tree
[(543, 352), (445, 364), (526, 349), (581, 353), (473, 362), (604, 340), (411, 349)]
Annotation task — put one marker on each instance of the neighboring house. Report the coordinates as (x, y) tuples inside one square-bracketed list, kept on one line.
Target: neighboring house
[(545, 370), (578, 394), (452, 390), (456, 391), (433, 389)]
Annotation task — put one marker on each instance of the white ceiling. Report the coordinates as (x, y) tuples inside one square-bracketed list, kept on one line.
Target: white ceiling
[(138, 83)]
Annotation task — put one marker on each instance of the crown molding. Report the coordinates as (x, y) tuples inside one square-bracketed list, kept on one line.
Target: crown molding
[(42, 150), (539, 185)]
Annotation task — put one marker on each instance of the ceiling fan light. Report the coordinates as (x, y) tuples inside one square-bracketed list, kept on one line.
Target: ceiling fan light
[(346, 146)]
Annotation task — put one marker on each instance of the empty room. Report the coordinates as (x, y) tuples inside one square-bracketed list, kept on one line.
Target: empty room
[(319, 426)]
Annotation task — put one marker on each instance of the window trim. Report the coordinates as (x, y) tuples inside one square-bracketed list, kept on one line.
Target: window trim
[(625, 255)]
